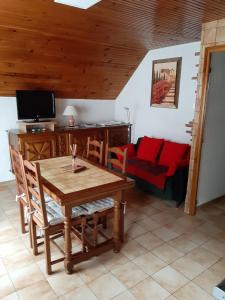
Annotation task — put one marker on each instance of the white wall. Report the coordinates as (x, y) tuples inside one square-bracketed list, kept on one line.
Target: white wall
[(89, 111), (211, 184), (160, 122)]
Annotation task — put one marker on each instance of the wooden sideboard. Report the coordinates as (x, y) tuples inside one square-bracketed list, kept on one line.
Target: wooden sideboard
[(42, 145)]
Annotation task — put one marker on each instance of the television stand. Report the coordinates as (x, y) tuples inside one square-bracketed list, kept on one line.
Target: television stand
[(41, 126), (37, 121)]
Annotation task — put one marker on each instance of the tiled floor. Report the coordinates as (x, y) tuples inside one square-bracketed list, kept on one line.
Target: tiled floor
[(167, 255)]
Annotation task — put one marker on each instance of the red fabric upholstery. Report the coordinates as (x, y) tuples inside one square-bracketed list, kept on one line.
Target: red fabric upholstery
[(148, 171), (173, 157), (149, 149), (130, 151), (172, 169), (172, 153)]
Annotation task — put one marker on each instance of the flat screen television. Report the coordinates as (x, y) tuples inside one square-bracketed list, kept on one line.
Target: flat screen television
[(35, 105)]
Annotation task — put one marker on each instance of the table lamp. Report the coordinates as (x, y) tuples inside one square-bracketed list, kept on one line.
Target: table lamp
[(70, 111)]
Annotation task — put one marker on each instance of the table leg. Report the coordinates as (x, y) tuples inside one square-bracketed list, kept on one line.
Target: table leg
[(116, 222), (122, 206), (67, 241)]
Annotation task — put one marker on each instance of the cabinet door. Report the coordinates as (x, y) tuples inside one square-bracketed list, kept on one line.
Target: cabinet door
[(63, 144), (39, 147), (80, 137), (118, 135)]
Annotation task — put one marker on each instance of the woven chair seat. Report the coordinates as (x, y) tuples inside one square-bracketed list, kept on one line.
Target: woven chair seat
[(98, 205)]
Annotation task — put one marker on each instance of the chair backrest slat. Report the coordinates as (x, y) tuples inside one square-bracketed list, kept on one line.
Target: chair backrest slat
[(95, 148), (34, 191), (17, 169), (114, 161)]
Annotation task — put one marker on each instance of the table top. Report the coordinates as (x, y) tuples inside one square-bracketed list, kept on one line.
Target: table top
[(67, 186)]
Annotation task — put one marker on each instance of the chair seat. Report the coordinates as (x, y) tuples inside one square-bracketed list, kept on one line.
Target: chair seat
[(98, 205), (55, 216)]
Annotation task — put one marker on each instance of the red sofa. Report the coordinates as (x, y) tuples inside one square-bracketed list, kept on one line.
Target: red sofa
[(160, 166)]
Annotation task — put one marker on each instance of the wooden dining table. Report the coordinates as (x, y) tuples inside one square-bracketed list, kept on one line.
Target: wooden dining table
[(70, 189)]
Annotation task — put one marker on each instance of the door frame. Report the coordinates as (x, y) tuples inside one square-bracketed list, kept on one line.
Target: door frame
[(199, 126)]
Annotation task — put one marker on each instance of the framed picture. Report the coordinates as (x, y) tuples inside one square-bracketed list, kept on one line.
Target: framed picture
[(166, 82)]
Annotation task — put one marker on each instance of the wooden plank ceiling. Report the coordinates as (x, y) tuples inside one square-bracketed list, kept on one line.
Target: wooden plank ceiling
[(90, 53)]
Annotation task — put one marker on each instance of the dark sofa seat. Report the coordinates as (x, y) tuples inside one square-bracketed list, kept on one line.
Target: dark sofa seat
[(165, 181)]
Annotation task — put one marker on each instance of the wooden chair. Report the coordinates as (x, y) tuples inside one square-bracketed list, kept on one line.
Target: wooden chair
[(21, 189), (47, 216), (112, 159), (95, 149)]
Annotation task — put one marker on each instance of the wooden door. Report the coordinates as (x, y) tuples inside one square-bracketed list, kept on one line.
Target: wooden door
[(39, 147)]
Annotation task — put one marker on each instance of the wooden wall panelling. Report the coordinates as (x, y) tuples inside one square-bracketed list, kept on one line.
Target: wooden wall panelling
[(90, 53)]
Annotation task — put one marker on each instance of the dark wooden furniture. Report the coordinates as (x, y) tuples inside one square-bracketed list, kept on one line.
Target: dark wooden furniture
[(20, 187), (92, 184), (111, 157), (95, 149), (36, 146), (39, 216)]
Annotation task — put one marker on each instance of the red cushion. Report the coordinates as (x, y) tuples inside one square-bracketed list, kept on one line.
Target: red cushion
[(130, 151), (172, 153), (149, 148)]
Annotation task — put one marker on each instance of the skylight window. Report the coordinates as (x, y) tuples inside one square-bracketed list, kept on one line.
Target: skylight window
[(83, 4)]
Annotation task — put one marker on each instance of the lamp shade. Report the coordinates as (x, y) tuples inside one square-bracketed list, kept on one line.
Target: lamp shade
[(70, 110)]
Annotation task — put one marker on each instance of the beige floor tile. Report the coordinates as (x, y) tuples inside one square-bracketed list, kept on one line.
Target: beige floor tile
[(62, 283), (219, 267), (161, 205), (190, 292), (149, 289), (134, 214), (19, 260), (129, 274), (125, 296), (39, 290), (8, 234), (12, 296), (11, 247), (188, 267), (6, 286), (107, 287), (149, 241), (170, 279), (167, 253), (207, 280), (215, 247), (210, 229), (135, 230), (150, 211), (183, 244), (148, 224), (163, 218), (81, 293), (23, 277), (90, 269), (3, 270), (171, 298), (220, 236), (149, 263), (133, 249), (198, 237), (176, 228), (165, 234), (203, 257), (112, 260)]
